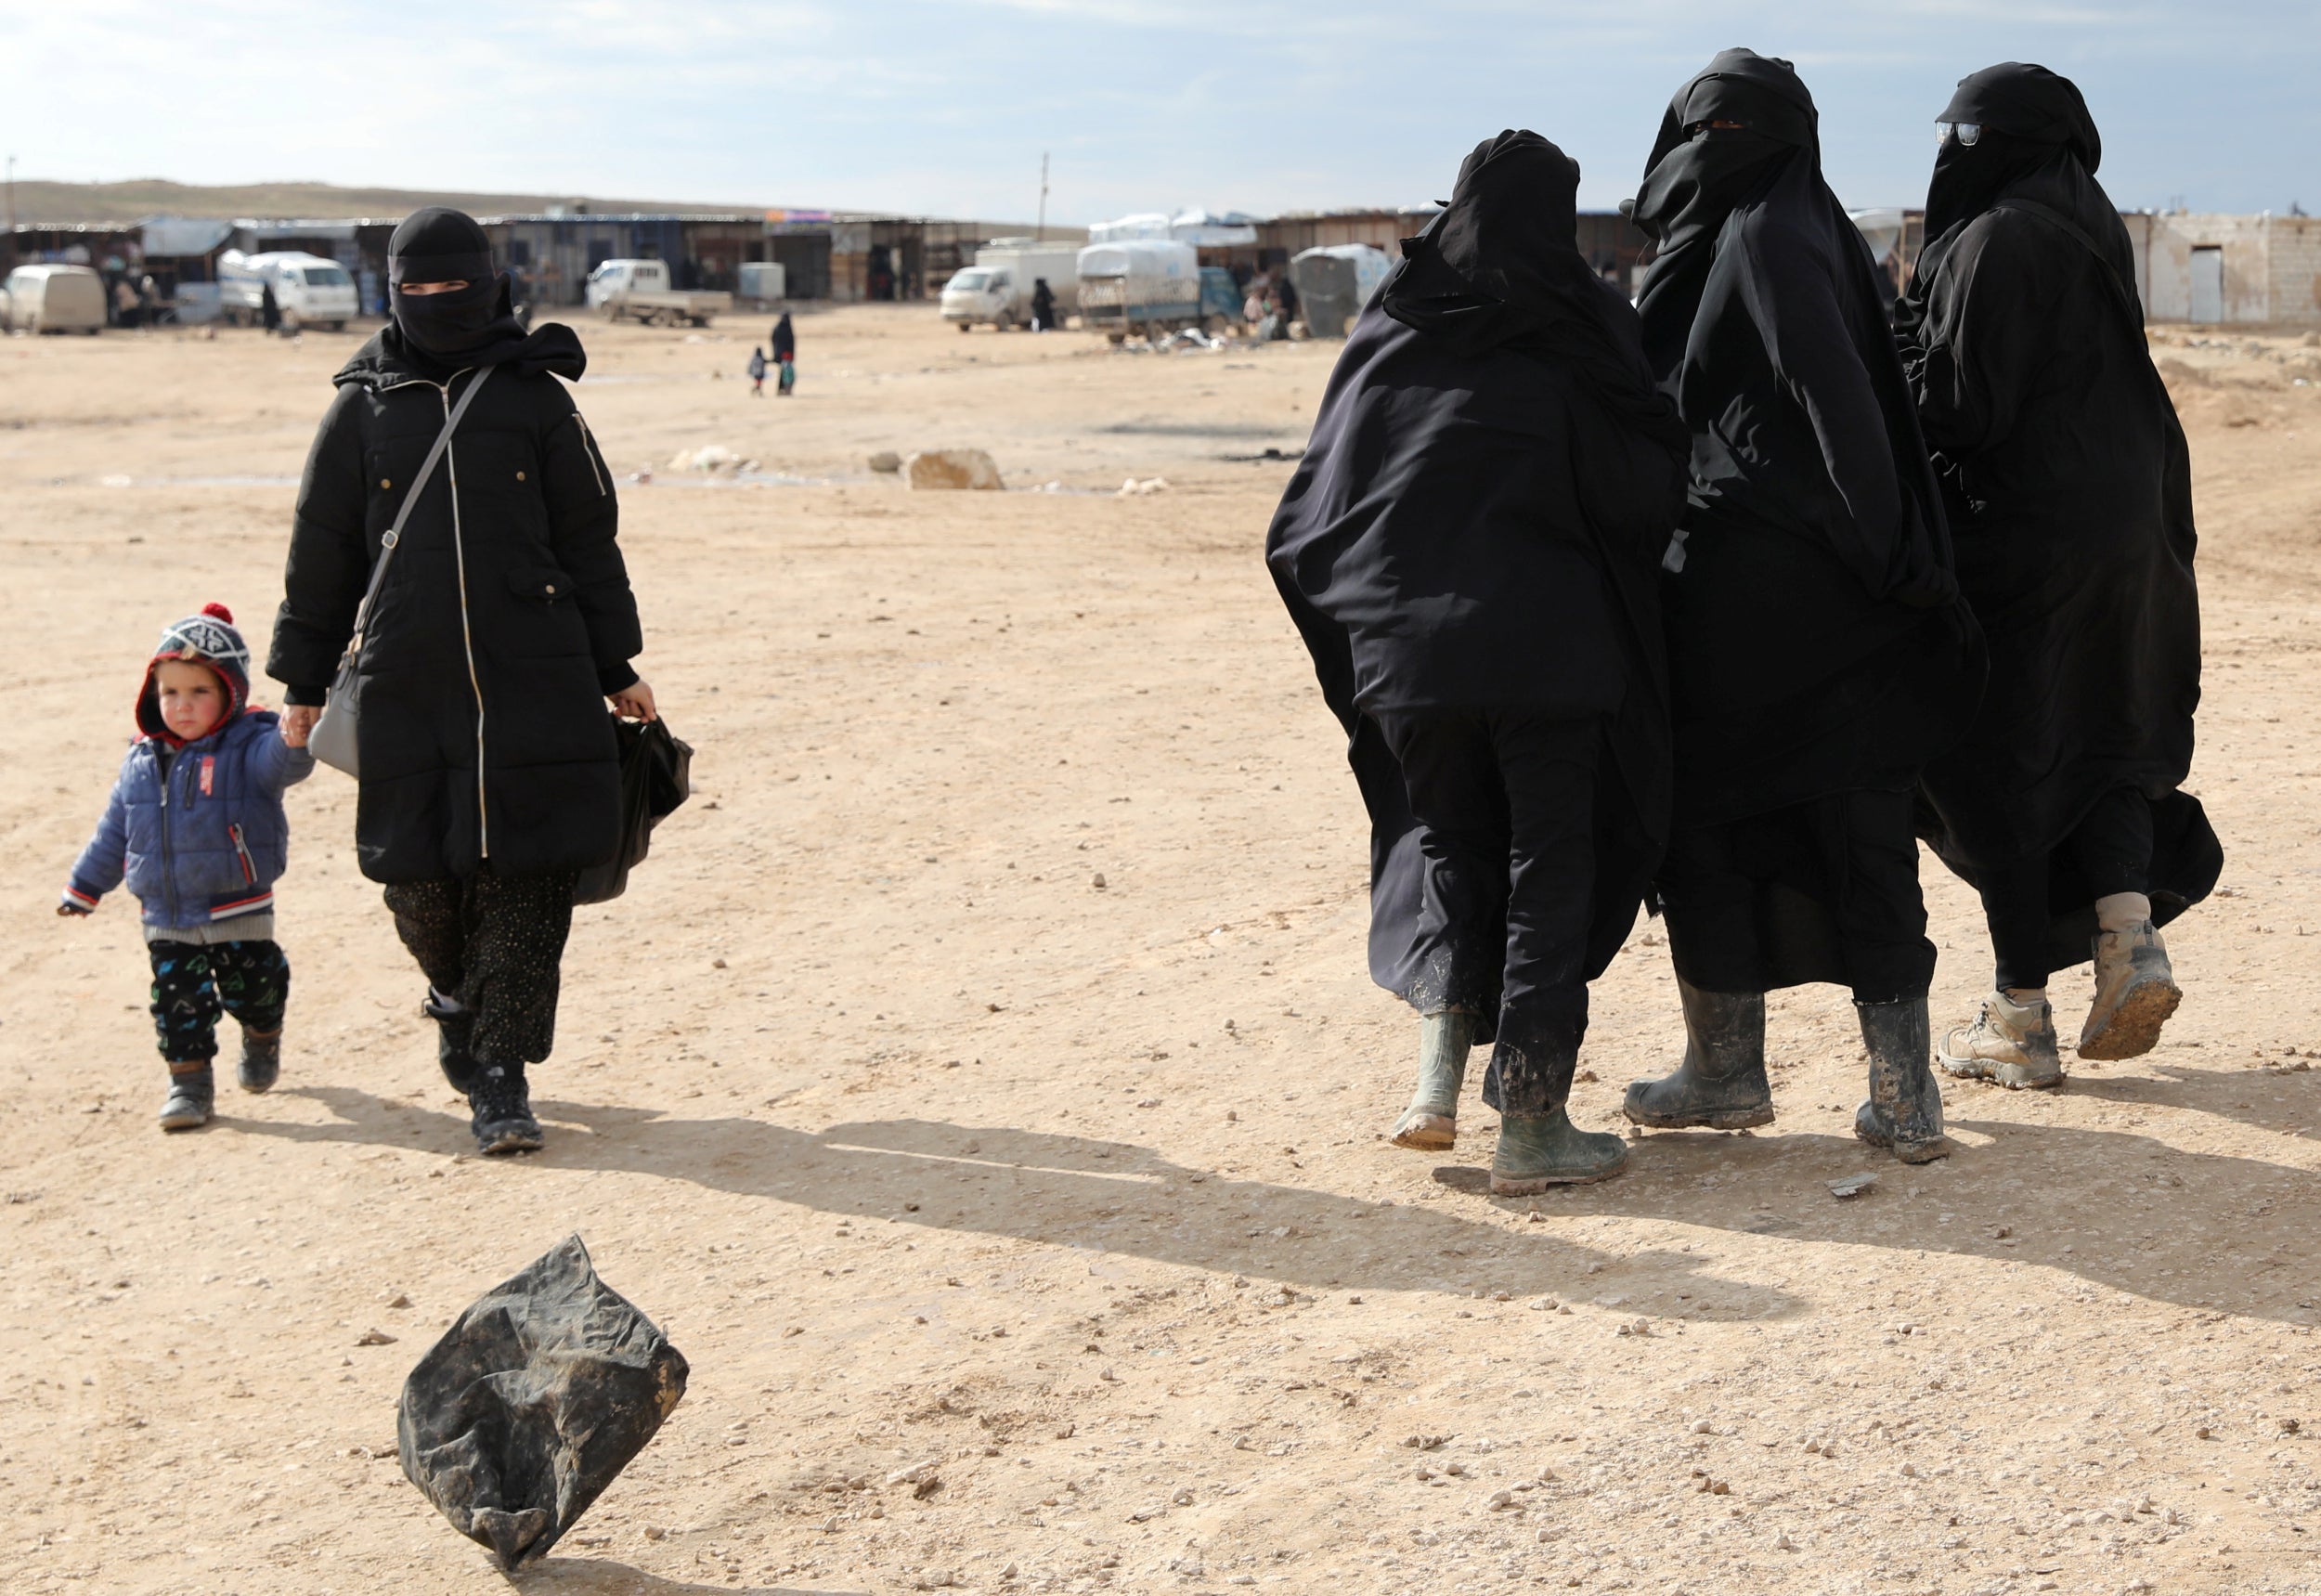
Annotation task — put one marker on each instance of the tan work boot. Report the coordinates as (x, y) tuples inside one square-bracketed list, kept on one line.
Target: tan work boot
[(2011, 1044), (2135, 993)]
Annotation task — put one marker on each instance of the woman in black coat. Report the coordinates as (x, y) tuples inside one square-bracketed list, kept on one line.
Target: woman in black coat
[(2070, 489), (490, 777), (1469, 549), (1817, 648)]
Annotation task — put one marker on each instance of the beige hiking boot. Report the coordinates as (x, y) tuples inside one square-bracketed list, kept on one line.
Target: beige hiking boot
[(2135, 993), (2010, 1043)]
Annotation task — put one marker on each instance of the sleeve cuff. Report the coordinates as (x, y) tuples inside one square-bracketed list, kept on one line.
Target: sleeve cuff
[(306, 697), (75, 895), (618, 678)]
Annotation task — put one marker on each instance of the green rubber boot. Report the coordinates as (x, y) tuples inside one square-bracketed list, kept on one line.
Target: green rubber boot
[(1721, 1084), (1903, 1112), (1535, 1154), (1431, 1123)]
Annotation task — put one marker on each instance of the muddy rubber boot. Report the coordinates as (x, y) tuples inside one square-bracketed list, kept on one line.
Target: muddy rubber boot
[(1431, 1123), (261, 1063), (2135, 993), (1721, 1084), (192, 1093), (1535, 1154), (501, 1116), (2010, 1043), (454, 1028), (1903, 1112)]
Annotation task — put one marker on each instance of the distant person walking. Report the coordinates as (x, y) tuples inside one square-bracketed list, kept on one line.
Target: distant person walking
[(757, 369), (2070, 492), (785, 355), (490, 775), (1043, 306), (270, 308)]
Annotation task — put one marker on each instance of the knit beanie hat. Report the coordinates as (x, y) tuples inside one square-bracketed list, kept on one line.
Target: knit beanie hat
[(206, 638)]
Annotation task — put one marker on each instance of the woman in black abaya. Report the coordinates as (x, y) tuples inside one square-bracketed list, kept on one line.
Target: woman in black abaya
[(1817, 651), (1469, 549), (2070, 494)]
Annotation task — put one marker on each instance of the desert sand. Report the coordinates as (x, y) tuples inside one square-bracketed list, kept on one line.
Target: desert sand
[(983, 1086)]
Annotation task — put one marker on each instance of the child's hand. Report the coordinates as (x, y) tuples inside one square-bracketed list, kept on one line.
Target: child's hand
[(298, 724), (69, 910)]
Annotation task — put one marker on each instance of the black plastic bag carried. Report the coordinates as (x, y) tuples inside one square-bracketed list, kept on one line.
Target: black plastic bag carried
[(533, 1402), (655, 776)]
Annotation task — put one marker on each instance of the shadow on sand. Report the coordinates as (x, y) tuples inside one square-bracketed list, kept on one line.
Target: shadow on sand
[(2123, 1212)]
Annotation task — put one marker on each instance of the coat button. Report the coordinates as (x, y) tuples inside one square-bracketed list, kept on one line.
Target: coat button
[(551, 589), (519, 476), (384, 482)]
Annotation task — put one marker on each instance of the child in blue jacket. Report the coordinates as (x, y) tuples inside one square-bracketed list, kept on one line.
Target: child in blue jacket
[(196, 826)]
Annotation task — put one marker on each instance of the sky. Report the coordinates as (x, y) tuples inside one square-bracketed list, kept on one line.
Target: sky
[(945, 109)]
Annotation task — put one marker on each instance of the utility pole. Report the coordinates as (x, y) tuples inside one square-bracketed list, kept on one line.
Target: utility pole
[(1043, 227), (11, 205)]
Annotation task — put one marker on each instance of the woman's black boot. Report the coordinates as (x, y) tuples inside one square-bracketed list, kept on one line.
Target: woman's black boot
[(1904, 1109), (501, 1106), (454, 1028), (1721, 1084)]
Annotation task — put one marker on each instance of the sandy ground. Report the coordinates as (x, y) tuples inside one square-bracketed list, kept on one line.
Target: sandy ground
[(982, 1073)]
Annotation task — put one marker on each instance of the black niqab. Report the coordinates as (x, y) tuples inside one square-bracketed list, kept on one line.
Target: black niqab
[(2069, 485), (1815, 642), (1500, 265), (464, 328), (2039, 147)]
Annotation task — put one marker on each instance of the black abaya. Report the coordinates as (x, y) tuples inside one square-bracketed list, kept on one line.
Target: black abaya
[(1816, 644), (1471, 539), (2068, 487)]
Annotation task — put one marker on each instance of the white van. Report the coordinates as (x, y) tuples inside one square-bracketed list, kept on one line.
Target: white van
[(309, 290), (54, 299), (997, 289)]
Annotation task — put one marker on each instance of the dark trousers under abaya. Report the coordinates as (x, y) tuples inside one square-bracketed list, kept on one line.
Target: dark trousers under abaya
[(2110, 849), (1505, 804), (1824, 890), (495, 945)]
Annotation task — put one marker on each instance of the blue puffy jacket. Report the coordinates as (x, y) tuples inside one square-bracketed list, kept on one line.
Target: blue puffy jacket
[(208, 844)]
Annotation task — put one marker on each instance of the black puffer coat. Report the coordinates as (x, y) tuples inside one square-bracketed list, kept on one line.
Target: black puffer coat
[(505, 618)]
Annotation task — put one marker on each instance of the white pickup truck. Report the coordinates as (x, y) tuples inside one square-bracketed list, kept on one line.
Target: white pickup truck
[(641, 289)]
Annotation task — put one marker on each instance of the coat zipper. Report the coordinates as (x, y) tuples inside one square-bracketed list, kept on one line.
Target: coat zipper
[(241, 848), (467, 632), (588, 447)]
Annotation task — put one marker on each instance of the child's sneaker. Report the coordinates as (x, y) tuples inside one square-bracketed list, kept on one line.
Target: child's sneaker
[(261, 1059), (192, 1091)]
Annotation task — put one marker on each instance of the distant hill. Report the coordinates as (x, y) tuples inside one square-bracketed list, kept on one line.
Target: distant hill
[(142, 197)]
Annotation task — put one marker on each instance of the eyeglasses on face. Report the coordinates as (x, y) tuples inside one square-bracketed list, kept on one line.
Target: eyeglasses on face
[(1966, 133)]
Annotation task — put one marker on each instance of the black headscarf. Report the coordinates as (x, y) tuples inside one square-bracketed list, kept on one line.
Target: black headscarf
[(1698, 187), (465, 328), (1694, 182), (2038, 144), (1500, 265)]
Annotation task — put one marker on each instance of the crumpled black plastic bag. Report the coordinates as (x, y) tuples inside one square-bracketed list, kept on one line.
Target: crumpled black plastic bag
[(656, 777), (533, 1402)]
